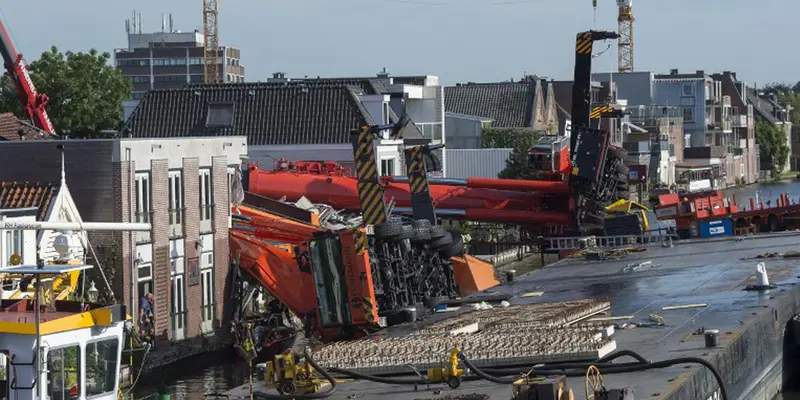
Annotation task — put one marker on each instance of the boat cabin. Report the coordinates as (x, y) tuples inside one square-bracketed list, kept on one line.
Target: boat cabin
[(80, 344)]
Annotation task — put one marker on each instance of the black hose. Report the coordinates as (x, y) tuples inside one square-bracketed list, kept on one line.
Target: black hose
[(319, 395), (380, 379), (604, 368)]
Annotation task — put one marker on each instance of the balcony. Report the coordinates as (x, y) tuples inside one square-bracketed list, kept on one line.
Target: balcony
[(739, 121)]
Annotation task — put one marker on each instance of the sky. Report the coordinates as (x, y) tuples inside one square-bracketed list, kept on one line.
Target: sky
[(457, 40)]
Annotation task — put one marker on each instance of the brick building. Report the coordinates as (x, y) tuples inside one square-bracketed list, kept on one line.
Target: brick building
[(180, 186)]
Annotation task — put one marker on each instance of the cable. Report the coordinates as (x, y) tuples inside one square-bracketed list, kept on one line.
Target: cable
[(141, 368), (319, 395), (606, 369)]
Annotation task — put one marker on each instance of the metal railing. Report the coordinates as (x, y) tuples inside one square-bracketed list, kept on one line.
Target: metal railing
[(607, 242), (176, 218), (143, 217)]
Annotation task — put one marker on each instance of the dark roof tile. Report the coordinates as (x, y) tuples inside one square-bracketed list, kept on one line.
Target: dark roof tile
[(28, 195), (11, 126), (267, 113), (508, 104)]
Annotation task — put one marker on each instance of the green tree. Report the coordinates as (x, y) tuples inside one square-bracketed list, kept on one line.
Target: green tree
[(519, 139), (772, 144), (85, 91)]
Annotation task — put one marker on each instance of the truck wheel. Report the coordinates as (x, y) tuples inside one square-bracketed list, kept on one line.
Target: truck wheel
[(388, 230), (421, 224), (438, 231), (457, 249), (442, 243), (421, 235)]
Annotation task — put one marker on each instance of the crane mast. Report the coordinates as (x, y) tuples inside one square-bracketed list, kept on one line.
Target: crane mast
[(32, 102), (211, 42), (625, 30)]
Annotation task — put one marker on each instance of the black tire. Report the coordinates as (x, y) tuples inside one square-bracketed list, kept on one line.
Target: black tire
[(454, 382), (408, 232), (438, 231), (421, 224), (421, 236), (442, 243), (457, 249), (388, 230), (287, 387)]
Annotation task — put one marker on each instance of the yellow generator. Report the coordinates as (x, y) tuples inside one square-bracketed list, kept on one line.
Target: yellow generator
[(285, 375)]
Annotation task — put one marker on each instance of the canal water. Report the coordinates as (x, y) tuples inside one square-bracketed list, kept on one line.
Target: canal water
[(210, 376)]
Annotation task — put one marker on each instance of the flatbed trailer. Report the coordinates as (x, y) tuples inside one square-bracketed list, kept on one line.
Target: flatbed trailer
[(755, 327)]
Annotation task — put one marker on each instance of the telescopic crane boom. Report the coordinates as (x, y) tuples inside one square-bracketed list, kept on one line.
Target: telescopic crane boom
[(32, 102)]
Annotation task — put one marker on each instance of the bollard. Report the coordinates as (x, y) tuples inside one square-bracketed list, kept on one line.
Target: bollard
[(510, 276), (712, 337)]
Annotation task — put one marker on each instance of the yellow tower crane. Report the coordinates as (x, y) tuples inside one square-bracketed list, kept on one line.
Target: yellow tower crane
[(625, 30), (211, 39), (625, 41)]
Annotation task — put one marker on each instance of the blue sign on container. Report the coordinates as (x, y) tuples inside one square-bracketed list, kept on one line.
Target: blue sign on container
[(723, 227)]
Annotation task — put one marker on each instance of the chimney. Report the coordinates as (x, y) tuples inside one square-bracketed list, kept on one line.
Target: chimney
[(383, 74), (701, 72), (278, 77), (673, 71)]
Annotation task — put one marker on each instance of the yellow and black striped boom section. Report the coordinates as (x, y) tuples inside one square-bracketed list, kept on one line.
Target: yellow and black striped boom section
[(421, 201), (582, 80), (604, 112), (370, 192)]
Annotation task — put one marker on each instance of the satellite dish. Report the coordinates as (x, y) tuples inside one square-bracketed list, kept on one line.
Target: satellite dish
[(16, 259)]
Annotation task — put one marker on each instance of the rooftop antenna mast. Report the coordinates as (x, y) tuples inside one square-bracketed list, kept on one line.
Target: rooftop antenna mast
[(211, 39)]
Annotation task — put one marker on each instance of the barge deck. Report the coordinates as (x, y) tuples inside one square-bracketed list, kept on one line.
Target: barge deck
[(752, 325)]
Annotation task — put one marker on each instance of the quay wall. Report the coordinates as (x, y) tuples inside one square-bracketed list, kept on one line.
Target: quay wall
[(750, 358)]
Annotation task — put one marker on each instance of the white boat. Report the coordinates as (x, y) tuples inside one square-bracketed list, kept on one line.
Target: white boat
[(79, 344)]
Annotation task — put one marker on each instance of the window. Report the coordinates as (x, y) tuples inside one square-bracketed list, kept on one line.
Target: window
[(64, 373), (169, 62), (219, 115), (387, 167), (144, 278), (175, 197), (15, 245), (133, 63), (231, 179), (101, 367), (385, 113), (687, 90), (143, 198), (196, 78), (140, 78), (178, 297), (138, 95), (207, 286), (170, 78), (688, 114), (196, 61), (206, 195)]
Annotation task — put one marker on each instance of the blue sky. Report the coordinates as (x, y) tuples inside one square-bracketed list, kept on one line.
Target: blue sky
[(458, 40)]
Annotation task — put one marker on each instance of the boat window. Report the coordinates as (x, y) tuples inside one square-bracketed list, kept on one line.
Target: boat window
[(101, 366), (63, 373)]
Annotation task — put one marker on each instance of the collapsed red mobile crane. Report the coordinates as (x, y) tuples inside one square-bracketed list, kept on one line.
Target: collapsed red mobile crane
[(32, 102), (341, 282)]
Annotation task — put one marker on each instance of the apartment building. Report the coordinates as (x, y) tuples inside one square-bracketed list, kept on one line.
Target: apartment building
[(171, 59), (180, 186)]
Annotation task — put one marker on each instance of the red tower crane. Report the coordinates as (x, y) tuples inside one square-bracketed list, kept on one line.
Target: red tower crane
[(32, 102)]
